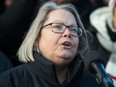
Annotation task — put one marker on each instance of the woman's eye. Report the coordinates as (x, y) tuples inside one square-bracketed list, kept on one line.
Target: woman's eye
[(74, 30), (57, 26)]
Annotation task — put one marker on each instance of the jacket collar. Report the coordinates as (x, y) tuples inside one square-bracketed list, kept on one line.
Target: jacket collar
[(44, 68)]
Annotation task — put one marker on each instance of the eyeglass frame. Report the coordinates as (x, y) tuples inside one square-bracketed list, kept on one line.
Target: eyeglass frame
[(65, 27)]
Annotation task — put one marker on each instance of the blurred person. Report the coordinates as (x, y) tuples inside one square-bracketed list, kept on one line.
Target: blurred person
[(103, 21), (111, 3), (85, 7), (15, 18), (8, 2), (12, 15), (5, 62), (52, 51)]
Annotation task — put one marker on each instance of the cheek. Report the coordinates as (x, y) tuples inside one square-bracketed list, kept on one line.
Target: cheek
[(76, 43), (48, 39)]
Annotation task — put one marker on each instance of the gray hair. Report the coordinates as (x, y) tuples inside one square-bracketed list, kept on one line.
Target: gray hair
[(25, 52)]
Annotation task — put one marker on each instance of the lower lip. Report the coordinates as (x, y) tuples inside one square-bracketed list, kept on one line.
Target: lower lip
[(68, 47)]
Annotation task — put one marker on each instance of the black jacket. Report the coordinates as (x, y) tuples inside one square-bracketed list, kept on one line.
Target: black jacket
[(41, 73), (5, 63)]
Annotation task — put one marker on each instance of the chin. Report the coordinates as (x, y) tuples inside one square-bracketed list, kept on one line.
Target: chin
[(66, 56), (63, 61)]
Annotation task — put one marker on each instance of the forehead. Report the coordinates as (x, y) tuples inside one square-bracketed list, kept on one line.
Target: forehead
[(61, 15)]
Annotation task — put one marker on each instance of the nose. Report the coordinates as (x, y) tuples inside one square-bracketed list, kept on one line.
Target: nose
[(67, 33)]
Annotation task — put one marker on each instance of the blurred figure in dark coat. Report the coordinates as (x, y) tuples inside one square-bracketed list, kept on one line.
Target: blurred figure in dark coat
[(15, 18)]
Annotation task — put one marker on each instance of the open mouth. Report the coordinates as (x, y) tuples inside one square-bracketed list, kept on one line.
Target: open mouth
[(67, 44)]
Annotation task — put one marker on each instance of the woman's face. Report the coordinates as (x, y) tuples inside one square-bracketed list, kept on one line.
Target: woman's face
[(56, 47)]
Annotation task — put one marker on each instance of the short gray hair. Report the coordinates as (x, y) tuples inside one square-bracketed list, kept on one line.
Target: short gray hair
[(25, 52)]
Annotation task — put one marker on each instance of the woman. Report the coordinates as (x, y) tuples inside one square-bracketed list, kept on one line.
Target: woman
[(51, 51)]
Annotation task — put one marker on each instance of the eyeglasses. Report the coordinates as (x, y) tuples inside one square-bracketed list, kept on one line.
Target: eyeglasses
[(60, 28)]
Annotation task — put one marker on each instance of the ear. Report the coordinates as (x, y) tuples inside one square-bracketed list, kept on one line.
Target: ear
[(36, 42)]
